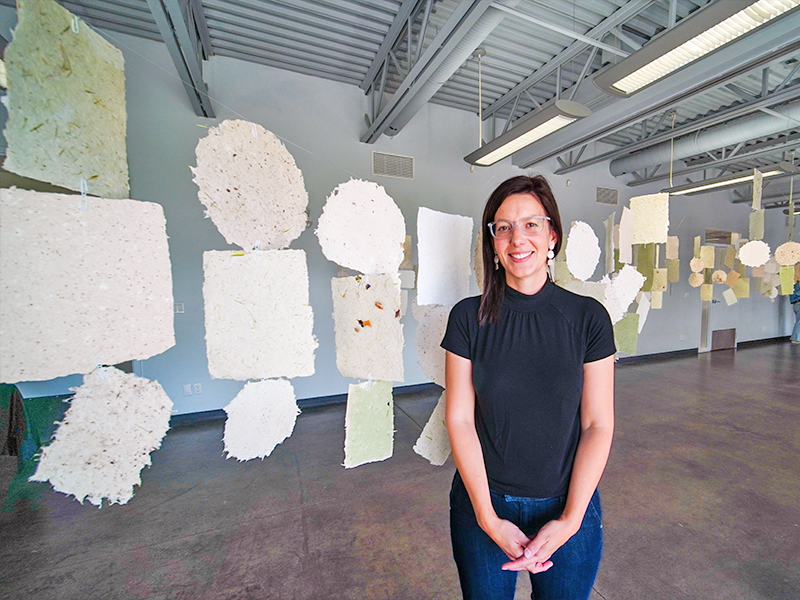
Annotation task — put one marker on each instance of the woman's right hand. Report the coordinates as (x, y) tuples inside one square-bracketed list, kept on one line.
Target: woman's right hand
[(506, 535)]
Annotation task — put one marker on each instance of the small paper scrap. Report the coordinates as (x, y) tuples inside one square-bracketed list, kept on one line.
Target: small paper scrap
[(444, 242), (730, 296), (114, 421), (361, 228), (433, 443), (369, 423), (260, 417), (583, 250)]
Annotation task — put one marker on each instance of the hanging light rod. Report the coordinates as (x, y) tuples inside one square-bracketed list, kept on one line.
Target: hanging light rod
[(534, 127), (731, 179), (709, 28)]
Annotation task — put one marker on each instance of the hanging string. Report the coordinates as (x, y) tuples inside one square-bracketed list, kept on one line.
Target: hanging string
[(791, 203), (480, 104), (671, 147)]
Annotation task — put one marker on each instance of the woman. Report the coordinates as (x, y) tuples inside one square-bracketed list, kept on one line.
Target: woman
[(530, 388)]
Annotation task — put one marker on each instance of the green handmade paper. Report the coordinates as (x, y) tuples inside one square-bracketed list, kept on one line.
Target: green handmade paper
[(673, 270), (626, 333), (369, 423), (706, 292), (696, 247), (741, 287), (757, 224), (707, 256), (787, 280), (659, 280), (730, 256), (645, 261)]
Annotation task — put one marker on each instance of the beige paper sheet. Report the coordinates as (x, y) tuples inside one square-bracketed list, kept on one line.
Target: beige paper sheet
[(673, 245), (787, 254), (787, 280), (741, 287), (431, 324), (730, 296), (433, 443), (707, 256), (656, 300), (369, 423), (757, 224), (706, 292), (650, 218), (608, 252), (80, 288), (626, 236)]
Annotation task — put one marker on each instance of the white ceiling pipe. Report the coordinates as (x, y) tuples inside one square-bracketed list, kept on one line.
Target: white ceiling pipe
[(747, 128), (463, 50)]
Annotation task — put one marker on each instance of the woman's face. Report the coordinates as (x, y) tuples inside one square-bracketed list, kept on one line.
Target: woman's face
[(523, 255)]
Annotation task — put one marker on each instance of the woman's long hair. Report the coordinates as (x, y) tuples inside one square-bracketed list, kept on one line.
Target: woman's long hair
[(494, 280)]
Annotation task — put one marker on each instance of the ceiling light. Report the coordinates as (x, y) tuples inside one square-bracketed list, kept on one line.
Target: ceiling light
[(529, 129), (728, 180), (703, 32)]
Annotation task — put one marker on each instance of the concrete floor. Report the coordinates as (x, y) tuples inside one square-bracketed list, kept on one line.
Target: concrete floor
[(701, 500)]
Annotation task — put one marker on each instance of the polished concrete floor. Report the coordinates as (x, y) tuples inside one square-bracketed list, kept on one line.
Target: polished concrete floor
[(701, 500)]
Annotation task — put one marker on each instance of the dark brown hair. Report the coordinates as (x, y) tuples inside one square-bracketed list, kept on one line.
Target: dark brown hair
[(494, 280)]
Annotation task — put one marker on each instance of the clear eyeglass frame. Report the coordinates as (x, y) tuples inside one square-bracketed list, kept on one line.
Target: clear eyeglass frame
[(531, 227)]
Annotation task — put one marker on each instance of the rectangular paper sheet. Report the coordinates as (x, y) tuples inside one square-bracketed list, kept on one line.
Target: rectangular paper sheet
[(66, 103), (659, 280), (643, 309), (742, 287), (730, 296), (369, 335), (408, 279), (259, 323), (673, 270), (696, 247), (656, 300), (706, 292), (673, 244), (730, 257), (757, 224), (650, 218), (732, 278), (444, 243), (626, 236), (645, 261), (626, 333), (369, 423), (433, 443), (787, 280), (707, 256), (80, 288), (758, 184), (609, 245)]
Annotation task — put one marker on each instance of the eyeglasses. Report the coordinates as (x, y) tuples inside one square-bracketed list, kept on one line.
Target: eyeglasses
[(530, 226)]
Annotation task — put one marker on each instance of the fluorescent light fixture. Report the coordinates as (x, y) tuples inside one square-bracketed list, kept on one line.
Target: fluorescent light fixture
[(728, 180), (530, 129), (710, 28)]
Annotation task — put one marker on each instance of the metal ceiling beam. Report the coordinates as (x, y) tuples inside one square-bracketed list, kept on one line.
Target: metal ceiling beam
[(394, 32), (183, 48)]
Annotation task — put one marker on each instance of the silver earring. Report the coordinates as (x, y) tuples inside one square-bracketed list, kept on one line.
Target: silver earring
[(496, 262)]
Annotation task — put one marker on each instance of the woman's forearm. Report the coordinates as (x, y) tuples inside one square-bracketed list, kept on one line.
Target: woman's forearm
[(468, 457), (590, 462)]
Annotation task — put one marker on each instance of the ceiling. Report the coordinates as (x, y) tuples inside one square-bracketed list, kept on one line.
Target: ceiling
[(404, 53)]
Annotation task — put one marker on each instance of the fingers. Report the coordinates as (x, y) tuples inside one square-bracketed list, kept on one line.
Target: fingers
[(524, 564)]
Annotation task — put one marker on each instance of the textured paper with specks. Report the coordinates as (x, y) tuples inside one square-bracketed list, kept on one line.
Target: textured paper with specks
[(260, 417), (80, 288), (650, 218), (444, 243), (368, 332), (369, 423), (583, 250), (250, 185), (114, 421), (258, 318), (66, 103), (431, 325), (433, 443), (361, 228)]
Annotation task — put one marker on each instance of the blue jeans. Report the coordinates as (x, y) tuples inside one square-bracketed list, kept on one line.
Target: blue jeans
[(479, 559), (796, 330)]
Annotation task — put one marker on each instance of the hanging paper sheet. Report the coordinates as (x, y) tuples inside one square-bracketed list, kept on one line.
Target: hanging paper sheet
[(444, 242), (369, 423), (433, 443)]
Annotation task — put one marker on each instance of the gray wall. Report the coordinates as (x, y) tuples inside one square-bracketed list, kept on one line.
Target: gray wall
[(320, 122)]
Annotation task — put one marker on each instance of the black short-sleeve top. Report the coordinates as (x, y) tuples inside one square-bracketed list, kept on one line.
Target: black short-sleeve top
[(527, 371)]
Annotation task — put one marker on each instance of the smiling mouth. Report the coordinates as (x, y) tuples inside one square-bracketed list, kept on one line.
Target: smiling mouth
[(520, 255)]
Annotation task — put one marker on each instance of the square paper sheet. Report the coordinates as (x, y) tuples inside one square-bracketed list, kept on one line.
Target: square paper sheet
[(258, 319), (80, 288), (369, 423), (444, 242), (369, 336), (650, 218)]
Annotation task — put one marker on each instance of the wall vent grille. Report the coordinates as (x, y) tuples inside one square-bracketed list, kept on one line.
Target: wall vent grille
[(392, 165), (607, 196)]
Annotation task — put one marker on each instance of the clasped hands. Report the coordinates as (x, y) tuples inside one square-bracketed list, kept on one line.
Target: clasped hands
[(528, 554)]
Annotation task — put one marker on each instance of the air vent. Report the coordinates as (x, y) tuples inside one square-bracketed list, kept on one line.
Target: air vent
[(392, 165), (607, 196)]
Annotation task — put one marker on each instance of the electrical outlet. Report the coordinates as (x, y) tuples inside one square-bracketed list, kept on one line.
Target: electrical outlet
[(198, 389), (187, 389), (683, 337), (179, 308)]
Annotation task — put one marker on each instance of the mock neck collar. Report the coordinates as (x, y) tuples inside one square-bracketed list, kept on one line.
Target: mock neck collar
[(518, 301)]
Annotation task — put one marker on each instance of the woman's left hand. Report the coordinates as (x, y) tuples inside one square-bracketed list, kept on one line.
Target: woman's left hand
[(538, 552)]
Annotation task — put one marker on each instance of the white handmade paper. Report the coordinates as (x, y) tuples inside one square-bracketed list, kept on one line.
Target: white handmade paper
[(369, 423), (609, 245), (443, 242), (754, 253), (361, 228), (622, 291), (258, 318), (114, 421), (583, 250), (431, 325), (433, 443), (643, 309), (626, 236), (260, 417), (368, 332), (650, 218), (730, 296), (80, 288), (66, 103)]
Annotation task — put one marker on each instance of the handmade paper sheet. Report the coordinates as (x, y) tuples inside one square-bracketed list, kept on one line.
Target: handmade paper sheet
[(368, 332), (609, 246), (754, 254), (673, 245), (730, 257), (583, 250), (258, 318), (645, 264), (80, 288), (730, 296), (361, 228), (757, 224), (659, 280), (260, 417), (592, 289), (407, 253), (696, 247), (443, 242), (707, 256), (787, 280), (561, 274), (433, 443), (758, 185), (656, 300), (719, 276), (673, 270), (696, 264), (626, 236), (626, 333), (643, 309), (369, 423), (66, 103), (114, 421), (706, 292), (696, 279), (431, 325), (787, 255), (250, 185), (742, 287), (621, 292), (650, 218), (477, 259)]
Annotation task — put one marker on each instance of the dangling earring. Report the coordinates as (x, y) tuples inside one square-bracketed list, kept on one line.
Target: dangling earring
[(496, 262), (550, 256)]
